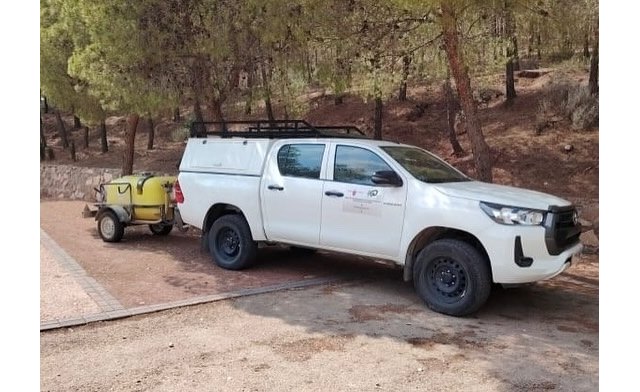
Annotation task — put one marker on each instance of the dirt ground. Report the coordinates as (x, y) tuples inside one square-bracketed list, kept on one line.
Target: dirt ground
[(367, 334), (144, 269)]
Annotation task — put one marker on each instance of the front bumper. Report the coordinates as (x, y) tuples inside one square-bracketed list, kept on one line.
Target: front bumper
[(520, 255)]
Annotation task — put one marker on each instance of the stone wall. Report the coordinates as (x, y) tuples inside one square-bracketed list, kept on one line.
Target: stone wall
[(71, 182)]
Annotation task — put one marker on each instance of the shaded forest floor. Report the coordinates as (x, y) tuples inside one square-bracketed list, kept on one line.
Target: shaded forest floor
[(522, 156)]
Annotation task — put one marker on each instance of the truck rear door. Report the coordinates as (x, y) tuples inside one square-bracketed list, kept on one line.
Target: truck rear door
[(291, 192)]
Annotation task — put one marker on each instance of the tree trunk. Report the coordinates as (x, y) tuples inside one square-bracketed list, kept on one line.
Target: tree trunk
[(217, 114), (151, 133), (479, 147), (104, 145), (406, 63), (307, 58), (86, 136), (43, 139), (43, 142), (339, 82), (72, 151), (377, 119), (249, 101), (510, 82), (197, 128), (593, 73), (269, 108), (197, 111), (76, 122), (514, 53), (585, 49), (530, 41), (452, 108), (130, 138), (62, 131), (46, 105), (267, 93), (176, 115)]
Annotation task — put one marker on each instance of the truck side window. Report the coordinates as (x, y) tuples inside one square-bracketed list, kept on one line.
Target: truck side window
[(356, 165), (300, 160)]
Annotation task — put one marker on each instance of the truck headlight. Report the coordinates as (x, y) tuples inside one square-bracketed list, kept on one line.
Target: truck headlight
[(508, 215)]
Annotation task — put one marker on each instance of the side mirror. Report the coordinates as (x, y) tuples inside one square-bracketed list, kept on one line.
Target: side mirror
[(386, 177)]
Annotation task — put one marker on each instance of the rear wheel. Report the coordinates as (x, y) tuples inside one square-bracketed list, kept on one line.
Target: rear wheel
[(452, 277), (160, 229), (109, 227), (231, 244)]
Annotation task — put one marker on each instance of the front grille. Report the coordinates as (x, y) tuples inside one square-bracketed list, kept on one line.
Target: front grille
[(561, 231)]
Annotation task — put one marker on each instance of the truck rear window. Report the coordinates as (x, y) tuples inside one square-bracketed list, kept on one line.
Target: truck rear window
[(300, 160)]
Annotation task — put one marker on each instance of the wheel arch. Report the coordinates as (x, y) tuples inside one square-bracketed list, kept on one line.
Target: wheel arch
[(431, 234), (216, 211)]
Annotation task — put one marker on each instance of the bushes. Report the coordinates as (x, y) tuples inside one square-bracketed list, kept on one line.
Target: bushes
[(582, 108), (563, 100)]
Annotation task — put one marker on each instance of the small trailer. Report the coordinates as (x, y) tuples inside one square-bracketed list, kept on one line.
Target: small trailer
[(144, 199)]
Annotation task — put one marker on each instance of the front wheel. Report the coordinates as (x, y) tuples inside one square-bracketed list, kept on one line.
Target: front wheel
[(109, 227), (231, 244), (160, 229), (452, 277)]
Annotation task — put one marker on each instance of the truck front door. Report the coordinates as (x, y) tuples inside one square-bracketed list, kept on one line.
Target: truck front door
[(291, 192), (358, 214)]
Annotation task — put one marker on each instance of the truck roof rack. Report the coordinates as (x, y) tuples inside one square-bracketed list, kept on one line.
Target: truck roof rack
[(278, 129)]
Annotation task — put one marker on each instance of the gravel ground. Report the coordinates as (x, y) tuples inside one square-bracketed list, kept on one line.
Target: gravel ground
[(60, 295), (367, 334)]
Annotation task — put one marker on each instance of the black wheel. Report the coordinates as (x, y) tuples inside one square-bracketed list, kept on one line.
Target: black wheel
[(300, 251), (452, 277), (109, 227), (231, 244), (160, 229)]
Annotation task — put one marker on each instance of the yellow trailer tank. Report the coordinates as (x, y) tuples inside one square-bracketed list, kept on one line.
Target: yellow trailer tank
[(148, 195)]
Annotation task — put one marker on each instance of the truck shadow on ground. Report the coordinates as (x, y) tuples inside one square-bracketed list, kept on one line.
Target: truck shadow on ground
[(549, 328)]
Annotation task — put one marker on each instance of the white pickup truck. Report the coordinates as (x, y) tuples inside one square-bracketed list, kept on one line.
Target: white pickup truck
[(324, 188)]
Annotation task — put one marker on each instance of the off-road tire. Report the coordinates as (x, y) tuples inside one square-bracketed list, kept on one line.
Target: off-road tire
[(452, 277), (230, 243), (109, 227)]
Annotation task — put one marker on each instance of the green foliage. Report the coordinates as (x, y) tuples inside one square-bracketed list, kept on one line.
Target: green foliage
[(57, 43), (149, 55)]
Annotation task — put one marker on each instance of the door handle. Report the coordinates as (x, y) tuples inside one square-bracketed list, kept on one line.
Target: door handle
[(275, 188), (334, 193)]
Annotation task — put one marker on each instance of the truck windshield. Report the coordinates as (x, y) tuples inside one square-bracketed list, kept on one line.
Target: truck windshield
[(424, 166)]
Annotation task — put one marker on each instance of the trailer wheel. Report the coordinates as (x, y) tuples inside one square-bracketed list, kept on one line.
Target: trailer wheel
[(109, 227), (230, 242), (160, 229)]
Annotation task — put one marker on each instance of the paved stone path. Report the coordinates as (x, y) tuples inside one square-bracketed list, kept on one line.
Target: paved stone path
[(69, 296)]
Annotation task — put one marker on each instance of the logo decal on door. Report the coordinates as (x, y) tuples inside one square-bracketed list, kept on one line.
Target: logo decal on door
[(364, 202)]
